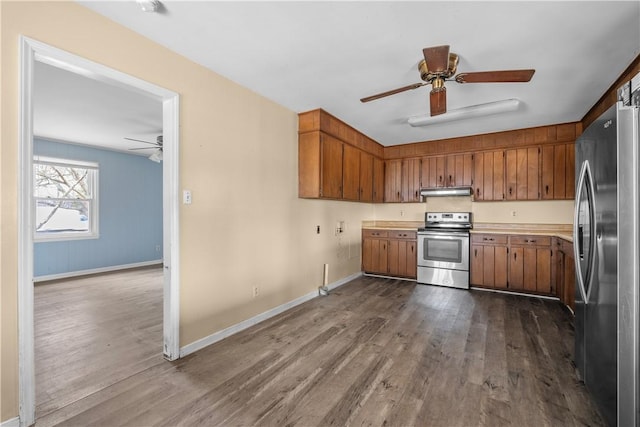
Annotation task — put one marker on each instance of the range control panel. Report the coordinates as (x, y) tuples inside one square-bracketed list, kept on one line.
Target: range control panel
[(448, 217)]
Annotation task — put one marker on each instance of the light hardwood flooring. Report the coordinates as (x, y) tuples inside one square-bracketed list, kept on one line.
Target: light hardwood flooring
[(374, 352)]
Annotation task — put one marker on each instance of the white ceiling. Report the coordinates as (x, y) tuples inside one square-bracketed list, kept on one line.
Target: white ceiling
[(73, 108), (318, 54)]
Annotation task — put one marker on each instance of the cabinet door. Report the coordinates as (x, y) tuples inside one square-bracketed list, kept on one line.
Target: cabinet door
[(428, 172), (500, 267), (543, 271), (460, 175), (378, 180), (366, 177), (552, 167), (374, 256), (441, 167), (351, 173), (394, 257), (411, 180), (309, 154), (570, 180), (516, 269), (393, 181), (497, 177), (331, 169), (477, 265), (412, 259), (478, 176), (450, 170), (558, 172), (522, 166)]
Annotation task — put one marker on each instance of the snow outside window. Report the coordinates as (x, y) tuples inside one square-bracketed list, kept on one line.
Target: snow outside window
[(65, 199)]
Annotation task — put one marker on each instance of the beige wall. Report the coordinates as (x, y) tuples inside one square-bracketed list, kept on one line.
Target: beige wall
[(246, 225), (538, 212)]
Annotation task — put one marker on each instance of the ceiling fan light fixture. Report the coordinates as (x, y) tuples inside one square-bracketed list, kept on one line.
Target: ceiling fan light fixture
[(149, 5), (156, 156), (472, 111)]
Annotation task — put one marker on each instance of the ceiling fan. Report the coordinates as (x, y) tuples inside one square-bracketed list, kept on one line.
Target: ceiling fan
[(156, 145), (439, 65), (155, 156)]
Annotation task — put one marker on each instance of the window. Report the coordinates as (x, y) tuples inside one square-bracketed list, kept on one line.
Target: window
[(65, 199)]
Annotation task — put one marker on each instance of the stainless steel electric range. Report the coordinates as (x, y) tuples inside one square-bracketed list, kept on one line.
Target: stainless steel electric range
[(443, 249)]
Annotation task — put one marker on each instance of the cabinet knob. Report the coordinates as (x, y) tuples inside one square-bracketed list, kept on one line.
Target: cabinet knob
[(546, 189)]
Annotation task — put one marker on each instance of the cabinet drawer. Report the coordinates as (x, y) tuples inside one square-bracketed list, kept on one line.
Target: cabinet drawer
[(496, 239), (531, 240), (375, 233), (402, 234)]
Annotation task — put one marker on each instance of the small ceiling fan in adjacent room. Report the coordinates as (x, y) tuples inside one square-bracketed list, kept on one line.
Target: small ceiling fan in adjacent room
[(156, 156), (439, 65)]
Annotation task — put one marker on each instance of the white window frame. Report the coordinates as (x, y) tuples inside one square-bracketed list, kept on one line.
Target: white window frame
[(93, 232)]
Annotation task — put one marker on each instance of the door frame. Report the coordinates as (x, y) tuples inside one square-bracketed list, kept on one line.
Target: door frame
[(31, 51)]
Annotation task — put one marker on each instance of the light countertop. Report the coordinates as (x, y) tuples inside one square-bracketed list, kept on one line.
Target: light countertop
[(563, 231)]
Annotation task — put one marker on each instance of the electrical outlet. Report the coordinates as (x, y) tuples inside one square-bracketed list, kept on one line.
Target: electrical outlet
[(513, 213), (157, 248), (255, 291)]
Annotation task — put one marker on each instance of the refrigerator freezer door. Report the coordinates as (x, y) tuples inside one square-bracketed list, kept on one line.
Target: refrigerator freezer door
[(596, 305), (628, 274)]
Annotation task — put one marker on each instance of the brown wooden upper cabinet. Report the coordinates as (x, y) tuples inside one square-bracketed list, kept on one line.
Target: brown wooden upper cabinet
[(558, 170), (378, 180), (337, 162), (453, 170), (488, 175), (411, 180), (393, 181), (320, 166), (522, 174)]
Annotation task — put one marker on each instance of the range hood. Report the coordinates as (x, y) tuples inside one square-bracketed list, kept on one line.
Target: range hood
[(446, 191)]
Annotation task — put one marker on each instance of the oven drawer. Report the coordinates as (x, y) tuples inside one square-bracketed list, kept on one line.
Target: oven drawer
[(493, 239)]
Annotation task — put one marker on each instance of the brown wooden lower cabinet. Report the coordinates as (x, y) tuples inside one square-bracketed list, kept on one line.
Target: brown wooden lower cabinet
[(389, 252), (565, 273), (489, 260), (519, 263)]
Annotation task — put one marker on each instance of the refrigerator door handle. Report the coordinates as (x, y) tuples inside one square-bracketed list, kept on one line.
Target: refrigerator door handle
[(578, 231)]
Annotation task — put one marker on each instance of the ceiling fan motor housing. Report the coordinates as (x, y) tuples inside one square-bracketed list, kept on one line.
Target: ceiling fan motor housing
[(430, 75)]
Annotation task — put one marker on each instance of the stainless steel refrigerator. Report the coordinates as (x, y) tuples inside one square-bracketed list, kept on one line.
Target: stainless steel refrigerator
[(607, 253)]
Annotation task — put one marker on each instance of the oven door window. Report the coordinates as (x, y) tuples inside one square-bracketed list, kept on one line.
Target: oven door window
[(449, 251)]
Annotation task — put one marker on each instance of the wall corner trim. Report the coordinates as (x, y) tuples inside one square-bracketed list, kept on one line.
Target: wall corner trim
[(238, 327), (13, 422)]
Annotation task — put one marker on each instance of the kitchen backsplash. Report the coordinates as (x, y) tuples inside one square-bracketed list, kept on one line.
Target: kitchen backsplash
[(522, 212)]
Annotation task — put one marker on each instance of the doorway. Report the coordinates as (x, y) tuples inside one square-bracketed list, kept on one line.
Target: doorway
[(31, 52)]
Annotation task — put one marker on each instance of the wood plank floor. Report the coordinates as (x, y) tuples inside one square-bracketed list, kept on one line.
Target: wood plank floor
[(374, 352), (93, 332)]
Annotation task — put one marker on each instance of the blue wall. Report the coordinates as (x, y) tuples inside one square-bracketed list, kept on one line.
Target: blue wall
[(130, 213)]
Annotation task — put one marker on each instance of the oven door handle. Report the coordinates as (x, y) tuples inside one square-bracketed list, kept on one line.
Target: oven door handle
[(444, 235)]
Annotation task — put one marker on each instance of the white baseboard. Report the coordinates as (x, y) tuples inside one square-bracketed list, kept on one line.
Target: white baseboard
[(95, 271), (234, 329), (13, 422)]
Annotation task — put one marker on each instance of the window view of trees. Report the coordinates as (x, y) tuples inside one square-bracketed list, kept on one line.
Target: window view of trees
[(64, 198)]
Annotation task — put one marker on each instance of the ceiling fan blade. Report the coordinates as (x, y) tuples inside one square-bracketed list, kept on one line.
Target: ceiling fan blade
[(143, 148), (438, 101), (392, 92), (437, 58), (504, 76), (139, 140)]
